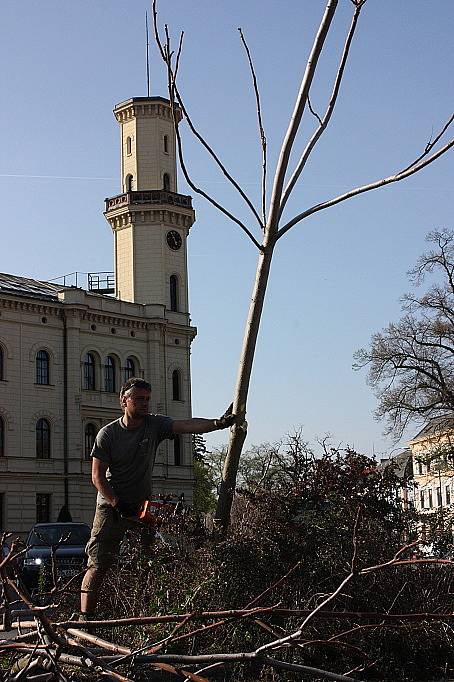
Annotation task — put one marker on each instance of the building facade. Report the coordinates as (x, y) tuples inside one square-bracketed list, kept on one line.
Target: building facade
[(64, 351), (433, 471)]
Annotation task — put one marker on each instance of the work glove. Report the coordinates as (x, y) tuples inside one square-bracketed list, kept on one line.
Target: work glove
[(227, 419), (127, 509)]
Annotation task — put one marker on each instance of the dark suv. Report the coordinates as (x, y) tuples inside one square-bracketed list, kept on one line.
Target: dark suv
[(69, 539)]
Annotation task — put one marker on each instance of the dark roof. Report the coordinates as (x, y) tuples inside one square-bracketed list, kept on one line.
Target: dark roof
[(436, 426), (402, 464), (25, 286)]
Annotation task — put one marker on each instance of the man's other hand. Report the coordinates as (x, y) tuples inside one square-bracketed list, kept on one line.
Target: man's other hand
[(227, 419)]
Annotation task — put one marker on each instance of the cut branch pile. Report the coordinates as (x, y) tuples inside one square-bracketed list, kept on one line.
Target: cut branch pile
[(44, 647)]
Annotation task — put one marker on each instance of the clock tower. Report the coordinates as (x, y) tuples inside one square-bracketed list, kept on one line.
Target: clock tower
[(149, 219), (150, 222)]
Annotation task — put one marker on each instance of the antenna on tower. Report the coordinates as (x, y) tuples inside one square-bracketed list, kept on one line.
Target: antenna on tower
[(148, 59)]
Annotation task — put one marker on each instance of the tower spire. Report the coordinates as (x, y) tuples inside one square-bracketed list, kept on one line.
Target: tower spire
[(147, 51)]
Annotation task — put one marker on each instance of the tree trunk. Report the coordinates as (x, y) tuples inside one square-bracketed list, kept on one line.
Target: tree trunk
[(239, 430)]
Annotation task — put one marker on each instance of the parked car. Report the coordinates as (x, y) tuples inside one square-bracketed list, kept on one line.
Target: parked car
[(68, 538)]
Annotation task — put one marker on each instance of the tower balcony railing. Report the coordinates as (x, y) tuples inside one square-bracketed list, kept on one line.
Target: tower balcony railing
[(149, 196)]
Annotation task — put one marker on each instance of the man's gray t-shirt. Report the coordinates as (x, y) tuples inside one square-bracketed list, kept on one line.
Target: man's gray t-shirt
[(130, 454)]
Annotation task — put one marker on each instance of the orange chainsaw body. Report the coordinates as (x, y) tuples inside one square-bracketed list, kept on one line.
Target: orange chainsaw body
[(155, 512)]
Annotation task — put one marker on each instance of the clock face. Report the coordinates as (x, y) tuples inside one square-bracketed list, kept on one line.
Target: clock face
[(174, 240)]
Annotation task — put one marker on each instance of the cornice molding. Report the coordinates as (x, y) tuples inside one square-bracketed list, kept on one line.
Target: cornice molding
[(128, 216), (32, 306), (150, 109), (83, 313)]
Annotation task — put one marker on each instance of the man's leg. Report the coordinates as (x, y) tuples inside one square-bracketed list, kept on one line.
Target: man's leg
[(91, 584), (102, 549)]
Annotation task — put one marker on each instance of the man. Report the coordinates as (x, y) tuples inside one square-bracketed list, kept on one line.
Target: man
[(123, 457)]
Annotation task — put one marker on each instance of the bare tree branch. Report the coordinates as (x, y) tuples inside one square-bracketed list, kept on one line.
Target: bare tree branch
[(295, 120), (314, 113), (172, 85), (431, 144), (365, 188), (261, 128), (329, 111)]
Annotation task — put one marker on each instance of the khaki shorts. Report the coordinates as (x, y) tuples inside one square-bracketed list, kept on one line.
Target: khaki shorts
[(108, 530)]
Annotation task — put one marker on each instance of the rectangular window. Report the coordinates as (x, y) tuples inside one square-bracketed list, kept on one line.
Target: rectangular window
[(422, 498), (448, 495), (439, 500), (431, 504), (2, 512), (42, 507), (420, 468)]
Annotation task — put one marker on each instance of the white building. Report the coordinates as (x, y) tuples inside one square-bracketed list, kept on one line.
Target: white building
[(64, 351), (433, 467)]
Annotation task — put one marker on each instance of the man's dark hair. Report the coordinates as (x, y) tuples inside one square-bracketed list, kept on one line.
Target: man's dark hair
[(134, 382)]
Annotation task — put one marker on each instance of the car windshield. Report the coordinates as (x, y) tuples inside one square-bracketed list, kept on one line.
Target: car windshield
[(51, 535)]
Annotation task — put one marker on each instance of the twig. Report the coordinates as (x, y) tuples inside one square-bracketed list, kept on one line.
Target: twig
[(328, 113), (431, 144), (401, 175), (252, 657), (175, 94), (295, 120), (232, 613), (261, 128), (355, 541)]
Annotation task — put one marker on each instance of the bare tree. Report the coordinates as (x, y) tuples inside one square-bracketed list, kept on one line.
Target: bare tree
[(270, 223), (411, 362)]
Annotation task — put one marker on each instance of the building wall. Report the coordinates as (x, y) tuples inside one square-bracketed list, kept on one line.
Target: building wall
[(123, 265), (102, 326), (433, 472)]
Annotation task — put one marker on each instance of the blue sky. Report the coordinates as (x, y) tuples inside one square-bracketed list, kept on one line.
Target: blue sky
[(337, 277)]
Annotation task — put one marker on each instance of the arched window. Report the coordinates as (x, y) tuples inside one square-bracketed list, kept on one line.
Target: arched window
[(130, 369), (42, 367), (174, 293), (176, 388), (177, 451), (89, 372), (128, 183), (2, 437), (166, 182), (166, 144), (89, 439), (128, 145), (2, 367), (109, 375), (42, 439)]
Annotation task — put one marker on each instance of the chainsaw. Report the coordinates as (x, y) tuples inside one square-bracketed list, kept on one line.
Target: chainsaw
[(156, 512)]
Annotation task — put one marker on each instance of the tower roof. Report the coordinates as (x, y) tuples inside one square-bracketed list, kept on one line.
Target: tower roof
[(145, 106), (132, 100)]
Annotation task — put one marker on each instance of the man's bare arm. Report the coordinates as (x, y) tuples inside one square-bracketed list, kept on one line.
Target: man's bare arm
[(200, 425), (194, 425), (99, 480)]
